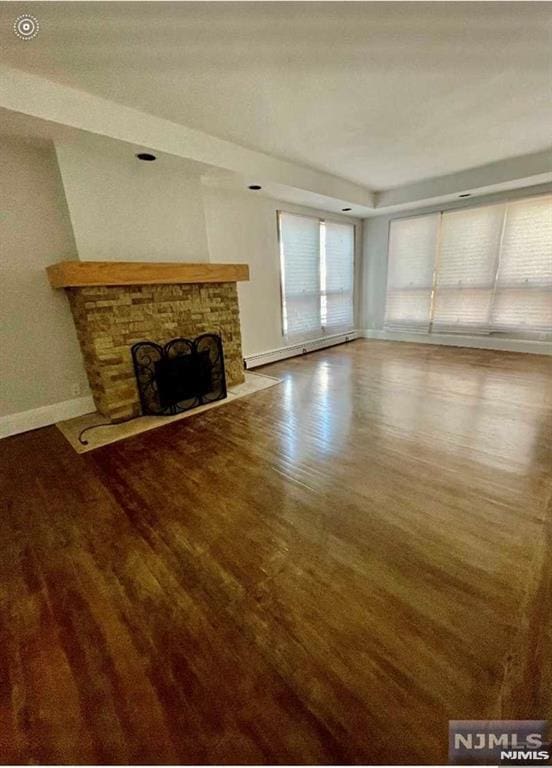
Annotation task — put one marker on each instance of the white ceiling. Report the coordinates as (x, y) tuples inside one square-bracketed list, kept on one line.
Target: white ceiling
[(383, 94)]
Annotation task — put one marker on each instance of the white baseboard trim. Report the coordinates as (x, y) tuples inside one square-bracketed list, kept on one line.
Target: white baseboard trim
[(273, 355), (450, 340), (47, 414)]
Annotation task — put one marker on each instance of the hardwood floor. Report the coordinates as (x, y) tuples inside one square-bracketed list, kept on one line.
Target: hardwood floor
[(325, 572)]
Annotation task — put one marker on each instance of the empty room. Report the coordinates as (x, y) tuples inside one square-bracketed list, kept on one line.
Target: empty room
[(276, 383)]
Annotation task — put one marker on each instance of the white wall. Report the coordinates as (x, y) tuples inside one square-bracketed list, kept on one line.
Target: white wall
[(241, 227), (41, 360), (375, 244), (123, 209)]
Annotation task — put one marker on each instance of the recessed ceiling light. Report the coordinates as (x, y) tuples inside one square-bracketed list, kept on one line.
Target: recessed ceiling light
[(146, 156), (465, 194), (254, 186), (346, 209)]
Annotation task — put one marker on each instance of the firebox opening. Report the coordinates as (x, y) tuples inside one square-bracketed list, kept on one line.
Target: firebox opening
[(181, 375), (182, 378)]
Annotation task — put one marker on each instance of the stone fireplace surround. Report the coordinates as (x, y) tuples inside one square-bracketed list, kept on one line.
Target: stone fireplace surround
[(117, 304)]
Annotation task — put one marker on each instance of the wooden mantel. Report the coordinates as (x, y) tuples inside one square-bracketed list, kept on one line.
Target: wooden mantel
[(75, 274)]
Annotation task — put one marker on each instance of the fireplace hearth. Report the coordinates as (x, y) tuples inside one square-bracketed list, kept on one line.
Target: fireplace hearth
[(180, 375)]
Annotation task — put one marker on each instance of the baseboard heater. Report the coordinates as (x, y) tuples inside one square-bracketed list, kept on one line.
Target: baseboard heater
[(301, 348)]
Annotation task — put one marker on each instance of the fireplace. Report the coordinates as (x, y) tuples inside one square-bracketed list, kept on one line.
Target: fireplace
[(117, 305), (180, 375)]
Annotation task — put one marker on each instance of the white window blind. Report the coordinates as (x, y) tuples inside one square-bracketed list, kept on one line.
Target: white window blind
[(338, 243), (466, 269), (317, 259), (412, 244), (523, 299), (485, 269), (300, 264)]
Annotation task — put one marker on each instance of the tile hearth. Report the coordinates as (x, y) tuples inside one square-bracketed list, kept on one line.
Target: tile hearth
[(113, 432)]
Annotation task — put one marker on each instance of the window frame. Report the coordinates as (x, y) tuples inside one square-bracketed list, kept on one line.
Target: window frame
[(324, 330), (465, 205)]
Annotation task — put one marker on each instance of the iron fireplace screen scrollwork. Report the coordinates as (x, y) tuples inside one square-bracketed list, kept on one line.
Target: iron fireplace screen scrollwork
[(180, 375)]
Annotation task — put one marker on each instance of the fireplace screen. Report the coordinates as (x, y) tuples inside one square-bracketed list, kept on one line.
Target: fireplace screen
[(182, 374)]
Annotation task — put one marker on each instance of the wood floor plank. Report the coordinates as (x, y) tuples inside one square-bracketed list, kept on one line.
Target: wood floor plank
[(324, 572)]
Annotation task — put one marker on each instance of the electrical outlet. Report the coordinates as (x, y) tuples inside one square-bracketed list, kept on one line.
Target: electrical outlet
[(75, 390)]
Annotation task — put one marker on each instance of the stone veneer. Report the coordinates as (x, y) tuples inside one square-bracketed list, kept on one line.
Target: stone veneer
[(110, 319)]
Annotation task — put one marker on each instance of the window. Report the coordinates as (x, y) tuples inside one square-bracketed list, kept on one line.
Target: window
[(476, 270), (300, 257), (412, 245), (466, 268), (317, 259), (523, 299), (336, 274)]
